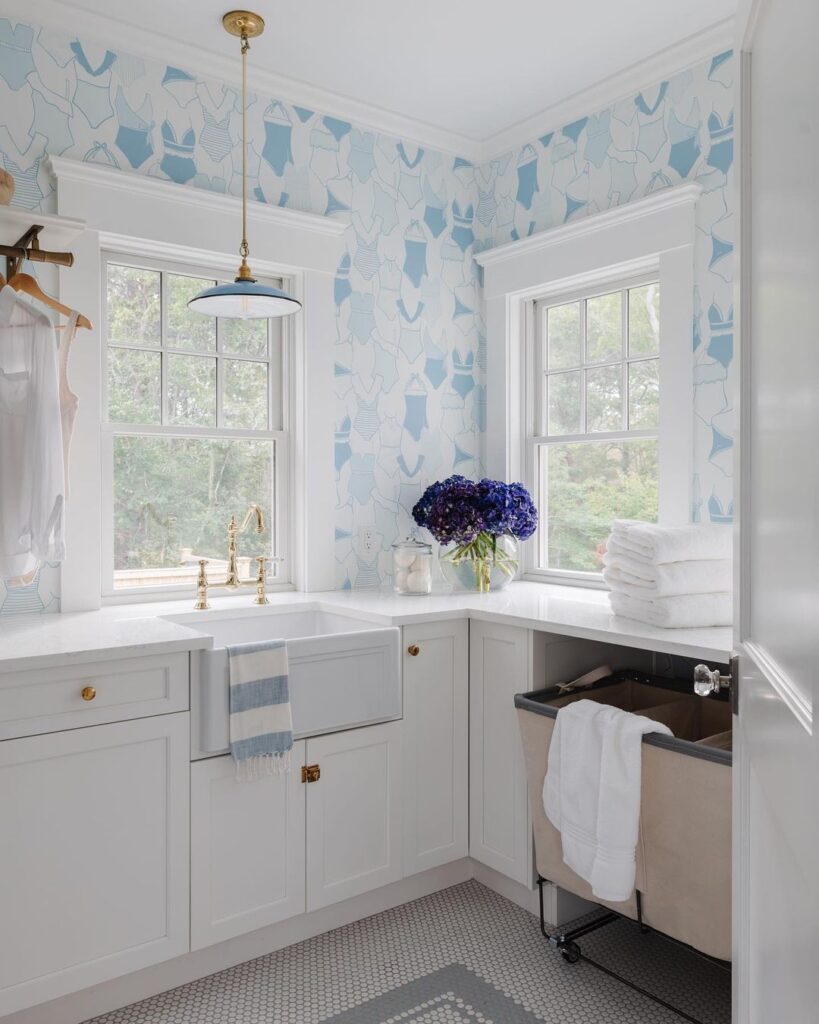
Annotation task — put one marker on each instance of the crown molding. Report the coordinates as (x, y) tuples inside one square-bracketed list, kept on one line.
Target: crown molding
[(74, 20), (112, 178), (602, 94), (667, 199)]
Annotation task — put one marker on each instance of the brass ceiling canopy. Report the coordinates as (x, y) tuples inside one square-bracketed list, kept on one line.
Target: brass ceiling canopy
[(244, 24)]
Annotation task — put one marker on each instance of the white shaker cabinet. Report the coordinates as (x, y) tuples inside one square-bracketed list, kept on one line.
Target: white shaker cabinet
[(247, 849), (499, 823), (436, 744), (354, 821), (94, 854)]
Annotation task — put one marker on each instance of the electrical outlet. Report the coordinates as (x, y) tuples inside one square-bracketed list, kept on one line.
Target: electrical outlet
[(366, 535)]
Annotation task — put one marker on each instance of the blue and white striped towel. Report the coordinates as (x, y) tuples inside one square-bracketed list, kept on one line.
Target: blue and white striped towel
[(261, 725)]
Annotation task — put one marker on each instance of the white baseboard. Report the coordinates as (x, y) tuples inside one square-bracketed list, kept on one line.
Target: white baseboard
[(514, 891), (559, 906), (111, 995)]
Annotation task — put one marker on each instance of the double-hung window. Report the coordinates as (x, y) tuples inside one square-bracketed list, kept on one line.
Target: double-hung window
[(595, 416), (194, 431)]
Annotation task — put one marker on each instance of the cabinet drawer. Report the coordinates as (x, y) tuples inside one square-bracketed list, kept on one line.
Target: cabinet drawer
[(50, 700)]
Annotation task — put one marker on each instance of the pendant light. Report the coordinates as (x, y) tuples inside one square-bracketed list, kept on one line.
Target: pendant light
[(245, 298)]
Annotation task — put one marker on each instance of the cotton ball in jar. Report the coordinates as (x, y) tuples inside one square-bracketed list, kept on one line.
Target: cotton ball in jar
[(419, 581), (403, 558), (401, 579)]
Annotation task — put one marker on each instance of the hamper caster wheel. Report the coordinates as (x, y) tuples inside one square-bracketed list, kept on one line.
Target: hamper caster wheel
[(571, 953)]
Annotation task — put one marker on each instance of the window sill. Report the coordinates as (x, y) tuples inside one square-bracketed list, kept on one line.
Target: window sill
[(153, 595), (586, 582)]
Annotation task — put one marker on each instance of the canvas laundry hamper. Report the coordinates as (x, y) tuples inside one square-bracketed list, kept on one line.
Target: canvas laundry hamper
[(684, 845)]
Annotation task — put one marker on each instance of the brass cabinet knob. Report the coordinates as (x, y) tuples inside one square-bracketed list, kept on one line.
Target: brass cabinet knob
[(88, 693), (414, 650)]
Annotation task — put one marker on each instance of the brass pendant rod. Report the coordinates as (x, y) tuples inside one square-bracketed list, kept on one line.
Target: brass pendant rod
[(245, 248)]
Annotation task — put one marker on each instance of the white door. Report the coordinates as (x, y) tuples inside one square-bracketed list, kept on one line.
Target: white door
[(776, 904), (499, 824), (247, 849), (353, 813), (94, 855), (436, 744)]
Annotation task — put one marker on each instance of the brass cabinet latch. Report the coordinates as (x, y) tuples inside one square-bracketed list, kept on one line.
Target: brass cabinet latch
[(310, 773)]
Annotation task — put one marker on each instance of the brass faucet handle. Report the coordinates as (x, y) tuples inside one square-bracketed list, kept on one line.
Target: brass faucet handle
[(202, 587), (261, 581)]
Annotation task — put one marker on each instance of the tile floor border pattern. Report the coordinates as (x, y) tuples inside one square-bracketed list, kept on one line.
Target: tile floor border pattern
[(466, 928)]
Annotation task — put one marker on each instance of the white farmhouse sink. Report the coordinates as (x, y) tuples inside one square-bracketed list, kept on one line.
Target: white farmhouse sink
[(343, 672)]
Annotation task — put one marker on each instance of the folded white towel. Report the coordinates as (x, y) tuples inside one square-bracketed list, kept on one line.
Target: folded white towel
[(591, 792), (706, 576), (683, 611), (661, 544)]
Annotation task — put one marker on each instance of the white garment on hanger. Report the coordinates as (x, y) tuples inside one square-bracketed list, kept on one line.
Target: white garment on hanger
[(69, 402), (32, 480)]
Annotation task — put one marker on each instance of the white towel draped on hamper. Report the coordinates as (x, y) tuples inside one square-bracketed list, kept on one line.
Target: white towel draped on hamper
[(261, 724), (591, 793)]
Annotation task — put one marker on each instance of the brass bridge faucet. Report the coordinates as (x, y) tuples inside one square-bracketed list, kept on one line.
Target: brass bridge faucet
[(233, 581)]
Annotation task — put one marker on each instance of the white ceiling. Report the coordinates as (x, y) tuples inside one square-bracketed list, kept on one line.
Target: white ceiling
[(473, 68)]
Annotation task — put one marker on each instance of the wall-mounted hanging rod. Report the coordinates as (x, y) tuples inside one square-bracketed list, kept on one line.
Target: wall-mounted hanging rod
[(27, 247)]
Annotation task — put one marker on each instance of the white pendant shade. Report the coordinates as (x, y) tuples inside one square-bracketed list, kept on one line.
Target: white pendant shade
[(245, 300)]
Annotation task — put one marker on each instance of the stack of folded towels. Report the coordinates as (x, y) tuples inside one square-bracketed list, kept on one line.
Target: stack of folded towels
[(670, 576)]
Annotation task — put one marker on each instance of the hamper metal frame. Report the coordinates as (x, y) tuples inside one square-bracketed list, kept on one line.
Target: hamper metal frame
[(565, 943)]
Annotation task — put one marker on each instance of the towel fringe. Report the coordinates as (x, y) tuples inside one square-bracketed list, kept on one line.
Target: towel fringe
[(263, 766)]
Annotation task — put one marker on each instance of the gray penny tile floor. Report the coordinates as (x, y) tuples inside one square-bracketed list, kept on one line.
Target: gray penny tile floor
[(462, 955)]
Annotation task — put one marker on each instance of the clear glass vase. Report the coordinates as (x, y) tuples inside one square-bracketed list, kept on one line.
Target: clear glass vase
[(486, 563)]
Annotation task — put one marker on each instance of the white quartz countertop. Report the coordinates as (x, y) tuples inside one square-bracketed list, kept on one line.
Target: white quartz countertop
[(40, 641)]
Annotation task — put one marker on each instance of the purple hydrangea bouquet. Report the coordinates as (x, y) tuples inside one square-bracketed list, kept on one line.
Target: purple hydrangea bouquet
[(480, 524)]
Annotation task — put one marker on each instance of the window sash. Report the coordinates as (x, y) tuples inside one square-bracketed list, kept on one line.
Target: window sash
[(539, 436), (276, 433), (274, 359)]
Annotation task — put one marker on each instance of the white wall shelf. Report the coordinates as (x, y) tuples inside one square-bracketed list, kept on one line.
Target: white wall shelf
[(58, 234)]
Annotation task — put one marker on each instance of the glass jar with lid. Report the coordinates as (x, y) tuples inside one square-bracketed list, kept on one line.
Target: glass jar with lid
[(412, 566)]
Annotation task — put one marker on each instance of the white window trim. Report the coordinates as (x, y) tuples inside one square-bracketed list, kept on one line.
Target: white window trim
[(176, 224), (655, 234)]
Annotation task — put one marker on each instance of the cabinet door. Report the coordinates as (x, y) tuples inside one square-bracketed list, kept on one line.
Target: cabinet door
[(353, 813), (436, 744), (499, 828), (94, 868), (247, 849)]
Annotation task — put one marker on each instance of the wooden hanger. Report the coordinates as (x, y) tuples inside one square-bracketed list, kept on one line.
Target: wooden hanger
[(28, 285)]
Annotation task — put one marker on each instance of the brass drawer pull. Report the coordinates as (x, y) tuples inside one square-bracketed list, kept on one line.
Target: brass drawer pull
[(413, 650), (88, 693), (310, 773)]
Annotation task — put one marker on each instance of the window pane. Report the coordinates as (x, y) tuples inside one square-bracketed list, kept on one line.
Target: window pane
[(564, 336), (584, 487), (644, 394), (565, 415), (244, 394), (134, 386), (604, 327), (186, 329), (173, 498), (604, 398), (243, 337), (644, 320), (191, 390), (134, 306)]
